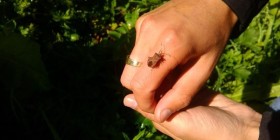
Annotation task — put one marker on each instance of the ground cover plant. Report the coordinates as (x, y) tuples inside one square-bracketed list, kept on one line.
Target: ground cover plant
[(61, 62), (248, 71)]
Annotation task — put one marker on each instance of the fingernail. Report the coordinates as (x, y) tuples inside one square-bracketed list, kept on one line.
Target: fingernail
[(131, 103), (164, 115)]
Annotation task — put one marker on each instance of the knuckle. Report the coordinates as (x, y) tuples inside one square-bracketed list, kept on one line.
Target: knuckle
[(183, 102), (139, 22), (171, 37), (125, 82), (179, 45), (143, 96), (145, 23), (137, 85), (147, 108)]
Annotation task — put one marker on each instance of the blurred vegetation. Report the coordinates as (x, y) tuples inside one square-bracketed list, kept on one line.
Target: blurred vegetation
[(249, 70), (61, 61)]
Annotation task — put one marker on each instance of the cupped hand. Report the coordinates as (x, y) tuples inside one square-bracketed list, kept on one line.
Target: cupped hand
[(190, 36), (210, 116)]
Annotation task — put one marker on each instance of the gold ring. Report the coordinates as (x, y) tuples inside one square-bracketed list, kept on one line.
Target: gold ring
[(132, 62)]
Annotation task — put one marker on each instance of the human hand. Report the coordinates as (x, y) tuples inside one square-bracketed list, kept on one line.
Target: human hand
[(210, 116), (191, 34)]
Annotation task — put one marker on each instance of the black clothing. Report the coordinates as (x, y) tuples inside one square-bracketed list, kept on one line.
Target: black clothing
[(245, 10), (270, 126)]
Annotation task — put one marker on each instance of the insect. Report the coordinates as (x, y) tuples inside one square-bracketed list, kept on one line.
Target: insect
[(155, 59)]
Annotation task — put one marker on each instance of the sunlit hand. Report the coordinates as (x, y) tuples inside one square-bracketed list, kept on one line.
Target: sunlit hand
[(210, 116), (190, 36)]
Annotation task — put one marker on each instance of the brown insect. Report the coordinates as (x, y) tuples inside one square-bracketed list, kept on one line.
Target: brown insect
[(155, 60)]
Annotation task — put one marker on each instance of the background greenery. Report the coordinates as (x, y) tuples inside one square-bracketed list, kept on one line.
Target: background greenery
[(61, 61)]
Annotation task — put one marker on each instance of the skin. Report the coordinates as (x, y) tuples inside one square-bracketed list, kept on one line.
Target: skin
[(191, 34), (210, 116)]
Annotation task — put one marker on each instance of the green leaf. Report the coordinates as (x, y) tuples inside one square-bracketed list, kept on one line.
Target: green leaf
[(130, 18), (242, 73), (249, 37), (125, 136), (74, 37), (20, 63), (122, 29), (140, 135), (114, 34)]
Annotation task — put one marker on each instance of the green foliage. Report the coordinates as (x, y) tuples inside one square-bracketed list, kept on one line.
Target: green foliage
[(147, 131), (20, 61), (61, 61), (248, 70)]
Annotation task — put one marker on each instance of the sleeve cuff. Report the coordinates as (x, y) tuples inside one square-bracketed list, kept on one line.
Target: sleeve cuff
[(270, 126), (245, 10)]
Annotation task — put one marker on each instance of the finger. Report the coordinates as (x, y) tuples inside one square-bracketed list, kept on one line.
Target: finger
[(129, 70), (129, 101), (180, 95), (139, 52), (180, 125), (145, 83), (146, 42), (204, 97)]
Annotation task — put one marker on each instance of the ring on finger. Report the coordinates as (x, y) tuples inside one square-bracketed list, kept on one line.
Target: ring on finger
[(132, 62)]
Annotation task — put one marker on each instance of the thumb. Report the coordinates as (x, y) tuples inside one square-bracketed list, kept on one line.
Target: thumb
[(181, 93), (173, 101)]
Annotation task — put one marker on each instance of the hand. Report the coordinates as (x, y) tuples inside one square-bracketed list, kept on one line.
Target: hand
[(210, 116), (191, 35)]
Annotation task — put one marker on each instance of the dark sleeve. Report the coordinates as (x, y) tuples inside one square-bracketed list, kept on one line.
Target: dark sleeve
[(270, 126), (245, 10)]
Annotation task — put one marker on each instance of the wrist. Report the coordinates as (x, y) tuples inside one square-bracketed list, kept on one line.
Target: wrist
[(214, 17), (224, 14)]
